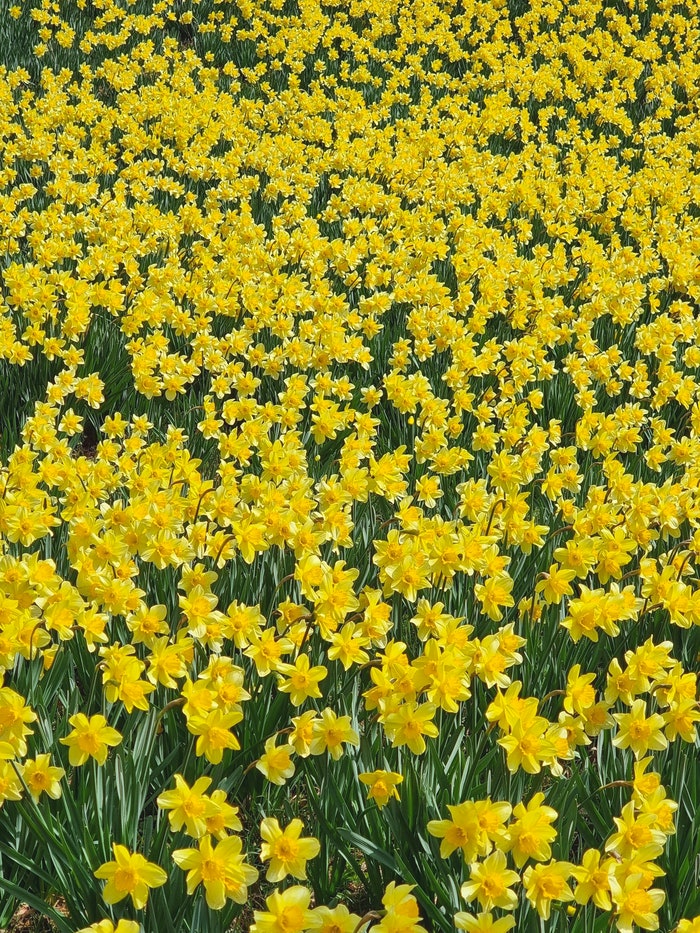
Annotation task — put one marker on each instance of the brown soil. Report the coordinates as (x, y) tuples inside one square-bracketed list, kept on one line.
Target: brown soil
[(28, 920)]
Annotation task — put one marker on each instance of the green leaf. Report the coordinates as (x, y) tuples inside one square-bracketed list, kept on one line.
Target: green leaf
[(21, 894), (368, 848)]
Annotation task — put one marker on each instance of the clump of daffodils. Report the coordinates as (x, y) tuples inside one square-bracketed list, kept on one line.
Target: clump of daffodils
[(349, 424)]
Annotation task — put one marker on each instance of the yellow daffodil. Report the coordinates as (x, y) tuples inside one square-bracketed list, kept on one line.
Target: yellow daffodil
[(188, 806), (221, 869), (638, 731), (276, 762), (287, 912), (286, 850), (547, 883), (382, 786), (90, 738), (41, 777), (490, 882), (129, 875)]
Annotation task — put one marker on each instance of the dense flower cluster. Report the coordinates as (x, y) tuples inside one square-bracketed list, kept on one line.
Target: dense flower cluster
[(350, 464)]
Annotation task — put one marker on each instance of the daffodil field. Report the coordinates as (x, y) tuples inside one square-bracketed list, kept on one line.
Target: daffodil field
[(350, 465)]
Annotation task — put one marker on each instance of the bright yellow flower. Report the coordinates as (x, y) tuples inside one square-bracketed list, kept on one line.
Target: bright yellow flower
[(527, 745), (302, 734), (188, 806), (90, 738), (225, 818), (593, 877), (286, 851), (680, 719), (10, 783), (287, 912), (644, 784), (382, 786), (331, 732), (639, 731), (556, 584), (636, 905), (531, 832), (300, 680), (409, 724), (15, 715), (42, 778), (334, 920), (213, 733), (689, 926), (580, 695), (222, 870), (129, 875), (491, 882), (107, 926), (463, 831), (347, 646), (276, 762), (636, 832), (658, 805), (402, 914), (546, 883), (483, 923), (494, 594)]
